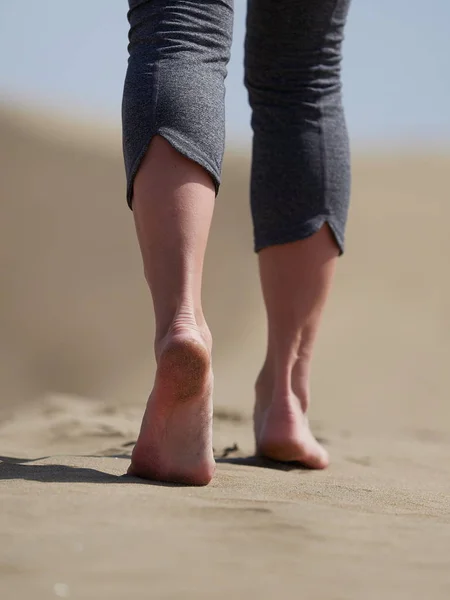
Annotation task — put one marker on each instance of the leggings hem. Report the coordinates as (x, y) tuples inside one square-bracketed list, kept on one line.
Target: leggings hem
[(181, 145), (305, 231)]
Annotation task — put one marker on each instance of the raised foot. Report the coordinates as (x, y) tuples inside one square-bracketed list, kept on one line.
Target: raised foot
[(283, 434), (175, 441)]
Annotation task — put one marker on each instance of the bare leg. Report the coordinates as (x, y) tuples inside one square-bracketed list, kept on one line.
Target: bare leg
[(296, 279), (173, 207)]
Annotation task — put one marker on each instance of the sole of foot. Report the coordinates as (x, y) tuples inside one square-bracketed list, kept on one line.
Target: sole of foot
[(175, 440)]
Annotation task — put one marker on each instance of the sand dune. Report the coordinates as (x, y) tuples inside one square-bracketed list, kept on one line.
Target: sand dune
[(75, 307), (76, 365)]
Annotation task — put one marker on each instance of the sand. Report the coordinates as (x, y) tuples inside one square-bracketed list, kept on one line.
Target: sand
[(76, 366)]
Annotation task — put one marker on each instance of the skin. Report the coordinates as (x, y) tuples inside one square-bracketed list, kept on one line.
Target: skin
[(173, 207)]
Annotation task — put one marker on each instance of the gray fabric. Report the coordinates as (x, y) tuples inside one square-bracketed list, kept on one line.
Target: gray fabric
[(174, 87)]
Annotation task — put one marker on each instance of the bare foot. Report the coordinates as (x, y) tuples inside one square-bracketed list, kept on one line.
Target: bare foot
[(282, 431), (175, 441)]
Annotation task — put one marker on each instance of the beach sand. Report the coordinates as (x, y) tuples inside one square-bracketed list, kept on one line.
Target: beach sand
[(76, 366)]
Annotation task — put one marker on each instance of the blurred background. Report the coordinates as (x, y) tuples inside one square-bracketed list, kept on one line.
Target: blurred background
[(75, 316)]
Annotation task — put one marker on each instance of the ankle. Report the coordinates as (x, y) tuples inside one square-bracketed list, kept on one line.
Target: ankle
[(300, 381), (285, 383), (184, 324), (264, 380), (274, 381)]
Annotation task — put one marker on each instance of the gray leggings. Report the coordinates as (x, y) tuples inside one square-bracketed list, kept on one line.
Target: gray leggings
[(174, 87)]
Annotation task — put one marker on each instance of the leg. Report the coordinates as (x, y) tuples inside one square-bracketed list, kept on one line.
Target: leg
[(173, 206), (299, 194), (296, 279), (173, 174)]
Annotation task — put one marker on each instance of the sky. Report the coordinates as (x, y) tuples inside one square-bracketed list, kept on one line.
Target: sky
[(71, 56)]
